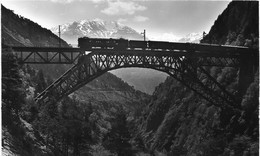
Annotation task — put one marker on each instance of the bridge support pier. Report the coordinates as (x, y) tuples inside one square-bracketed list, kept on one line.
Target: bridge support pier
[(248, 67)]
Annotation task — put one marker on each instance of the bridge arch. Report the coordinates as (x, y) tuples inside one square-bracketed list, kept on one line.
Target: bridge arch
[(183, 68)]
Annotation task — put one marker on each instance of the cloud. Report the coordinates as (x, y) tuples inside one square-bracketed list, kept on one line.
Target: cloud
[(69, 1), (97, 1), (122, 20), (140, 19), (113, 7), (164, 37), (122, 8), (63, 1)]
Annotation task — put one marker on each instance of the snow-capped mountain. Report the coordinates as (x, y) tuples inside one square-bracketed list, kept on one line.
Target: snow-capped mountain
[(170, 37), (96, 29), (192, 38)]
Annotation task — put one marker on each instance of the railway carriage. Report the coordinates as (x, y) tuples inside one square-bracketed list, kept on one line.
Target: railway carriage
[(95, 43), (121, 44), (207, 47), (155, 45), (136, 44), (181, 47), (217, 49), (100, 43)]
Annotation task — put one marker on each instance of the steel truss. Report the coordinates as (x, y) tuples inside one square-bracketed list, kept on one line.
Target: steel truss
[(47, 55), (183, 67)]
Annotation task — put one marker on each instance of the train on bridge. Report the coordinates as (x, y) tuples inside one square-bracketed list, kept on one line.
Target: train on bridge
[(121, 44), (87, 43)]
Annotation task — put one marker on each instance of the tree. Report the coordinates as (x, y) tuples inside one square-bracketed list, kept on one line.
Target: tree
[(40, 82), (117, 140), (13, 94), (76, 129)]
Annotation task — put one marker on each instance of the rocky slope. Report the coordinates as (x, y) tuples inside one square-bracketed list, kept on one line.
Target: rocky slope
[(20, 31), (179, 122), (144, 80), (111, 90)]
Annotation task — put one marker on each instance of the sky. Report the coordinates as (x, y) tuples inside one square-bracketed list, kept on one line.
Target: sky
[(160, 18)]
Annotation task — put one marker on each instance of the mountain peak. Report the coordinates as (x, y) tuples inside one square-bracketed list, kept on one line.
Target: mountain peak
[(96, 28), (192, 37)]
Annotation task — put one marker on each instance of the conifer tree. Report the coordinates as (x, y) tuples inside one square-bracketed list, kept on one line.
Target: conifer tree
[(40, 82), (117, 140), (13, 93)]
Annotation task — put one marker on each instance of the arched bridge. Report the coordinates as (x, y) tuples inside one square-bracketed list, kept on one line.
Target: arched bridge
[(185, 63)]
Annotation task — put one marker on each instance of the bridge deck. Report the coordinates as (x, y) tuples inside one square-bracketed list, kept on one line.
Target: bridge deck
[(45, 49), (47, 55), (61, 55)]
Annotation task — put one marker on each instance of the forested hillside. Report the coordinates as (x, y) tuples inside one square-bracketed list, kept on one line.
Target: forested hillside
[(179, 122), (20, 31), (237, 25), (90, 121)]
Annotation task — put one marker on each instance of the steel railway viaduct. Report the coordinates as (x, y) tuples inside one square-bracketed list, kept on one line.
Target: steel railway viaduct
[(186, 63)]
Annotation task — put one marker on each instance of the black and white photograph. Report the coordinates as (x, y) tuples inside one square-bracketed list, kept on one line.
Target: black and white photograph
[(129, 78)]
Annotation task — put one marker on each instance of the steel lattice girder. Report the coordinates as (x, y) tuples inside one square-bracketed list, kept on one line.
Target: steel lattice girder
[(40, 55), (93, 65)]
